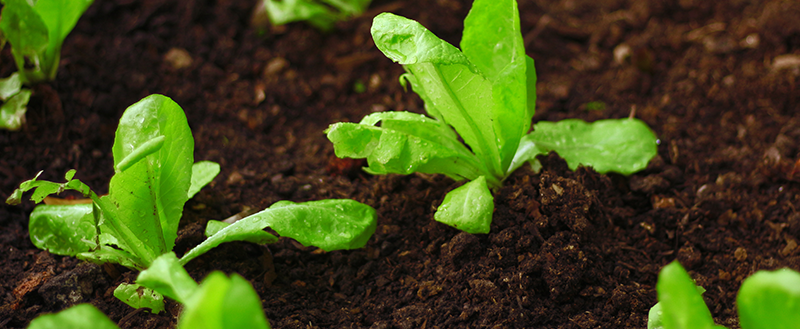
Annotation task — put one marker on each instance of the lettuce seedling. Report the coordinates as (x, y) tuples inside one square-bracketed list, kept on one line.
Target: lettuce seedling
[(138, 220), (322, 14), (486, 92), (14, 101), (767, 299), (36, 31), (219, 302)]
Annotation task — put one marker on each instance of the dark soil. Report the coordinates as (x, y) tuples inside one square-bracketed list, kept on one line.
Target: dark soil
[(566, 249)]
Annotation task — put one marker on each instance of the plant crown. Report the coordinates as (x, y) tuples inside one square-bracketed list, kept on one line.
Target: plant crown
[(36, 30)]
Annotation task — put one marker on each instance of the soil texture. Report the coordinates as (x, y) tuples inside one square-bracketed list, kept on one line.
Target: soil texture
[(718, 82)]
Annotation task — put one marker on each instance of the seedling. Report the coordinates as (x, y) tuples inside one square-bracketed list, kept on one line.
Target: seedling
[(486, 92), (13, 102), (220, 302), (322, 14), (138, 220), (36, 31), (767, 299)]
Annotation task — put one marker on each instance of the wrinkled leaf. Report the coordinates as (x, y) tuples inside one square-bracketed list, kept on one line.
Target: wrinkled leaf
[(82, 316), (405, 143), (63, 230), (10, 86), (203, 172), (328, 224), (137, 297), (682, 306), (770, 300), (624, 146), (468, 208), (223, 303), (453, 89), (12, 112), (167, 277)]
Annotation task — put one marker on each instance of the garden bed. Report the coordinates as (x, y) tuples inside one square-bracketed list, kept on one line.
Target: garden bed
[(715, 81)]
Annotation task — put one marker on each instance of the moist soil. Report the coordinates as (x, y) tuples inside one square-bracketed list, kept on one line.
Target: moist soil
[(716, 81)]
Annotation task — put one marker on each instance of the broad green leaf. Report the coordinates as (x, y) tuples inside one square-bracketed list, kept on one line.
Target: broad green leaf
[(257, 236), (770, 300), (468, 208), (151, 192), (405, 143), (167, 277), (12, 112), (624, 146), (492, 42), (322, 14), (63, 230), (82, 316), (332, 224), (60, 16), (223, 303), (137, 297), (10, 86), (203, 172), (452, 86), (682, 306)]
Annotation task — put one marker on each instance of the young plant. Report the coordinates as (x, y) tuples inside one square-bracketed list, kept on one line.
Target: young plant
[(219, 302), (767, 299), (486, 92), (138, 220), (322, 14), (36, 30), (13, 102)]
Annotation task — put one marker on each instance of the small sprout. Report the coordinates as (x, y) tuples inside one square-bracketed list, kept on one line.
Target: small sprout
[(36, 30)]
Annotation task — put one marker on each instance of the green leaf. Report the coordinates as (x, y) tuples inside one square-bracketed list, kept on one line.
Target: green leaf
[(223, 303), (682, 306), (152, 190), (492, 41), (168, 277), (27, 33), (10, 86), (12, 112), (137, 297), (83, 316), (624, 146), (468, 208), (60, 16), (36, 31), (328, 224), (322, 14), (203, 172), (454, 89), (770, 300), (64, 230), (257, 236), (405, 143)]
